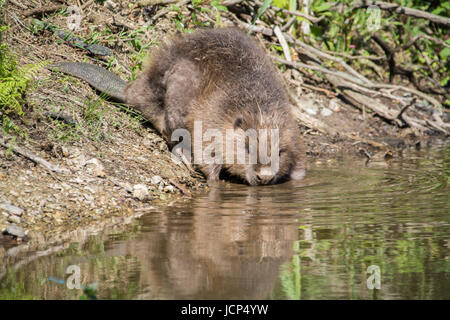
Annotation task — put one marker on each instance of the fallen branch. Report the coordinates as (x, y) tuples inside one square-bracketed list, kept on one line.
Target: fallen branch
[(119, 22), (60, 116), (269, 32), (179, 186), (390, 55), (289, 24), (43, 10), (18, 4), (84, 5), (403, 109), (367, 141), (327, 56), (347, 56), (424, 36), (348, 77), (146, 3), (359, 99), (403, 10), (283, 43), (29, 155), (328, 93), (263, 30), (339, 74), (163, 12), (436, 103), (230, 3)]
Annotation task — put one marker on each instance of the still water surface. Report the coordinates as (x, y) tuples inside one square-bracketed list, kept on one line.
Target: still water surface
[(313, 239)]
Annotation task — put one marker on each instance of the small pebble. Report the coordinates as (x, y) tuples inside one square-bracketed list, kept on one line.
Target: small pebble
[(11, 209), (140, 191), (14, 230), (170, 189), (156, 179), (326, 112), (334, 105), (14, 219)]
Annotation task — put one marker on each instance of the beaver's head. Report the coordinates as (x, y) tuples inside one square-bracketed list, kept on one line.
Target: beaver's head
[(272, 148)]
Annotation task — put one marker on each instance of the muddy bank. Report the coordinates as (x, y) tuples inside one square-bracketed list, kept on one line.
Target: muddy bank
[(115, 164)]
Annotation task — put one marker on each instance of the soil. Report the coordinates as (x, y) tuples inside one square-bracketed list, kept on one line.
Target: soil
[(119, 166)]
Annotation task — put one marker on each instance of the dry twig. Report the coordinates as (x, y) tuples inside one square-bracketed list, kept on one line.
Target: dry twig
[(403, 10), (29, 155), (42, 10)]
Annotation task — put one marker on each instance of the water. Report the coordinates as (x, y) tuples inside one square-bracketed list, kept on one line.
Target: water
[(313, 239)]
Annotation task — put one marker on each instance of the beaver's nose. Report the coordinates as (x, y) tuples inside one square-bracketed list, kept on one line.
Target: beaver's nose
[(265, 174)]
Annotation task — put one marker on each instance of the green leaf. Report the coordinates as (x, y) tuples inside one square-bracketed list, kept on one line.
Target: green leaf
[(221, 8), (322, 7), (445, 53), (278, 48), (316, 31), (218, 6), (281, 3), (415, 31), (264, 7), (445, 81), (438, 10), (292, 5)]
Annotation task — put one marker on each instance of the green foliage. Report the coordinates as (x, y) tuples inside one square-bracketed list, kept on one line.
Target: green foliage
[(218, 8), (182, 21), (37, 26), (135, 38), (349, 31), (14, 81), (290, 276), (90, 292), (261, 10)]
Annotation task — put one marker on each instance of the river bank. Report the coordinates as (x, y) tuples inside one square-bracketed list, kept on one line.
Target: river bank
[(115, 165)]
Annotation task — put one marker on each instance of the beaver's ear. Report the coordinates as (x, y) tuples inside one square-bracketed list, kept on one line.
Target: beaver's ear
[(139, 93)]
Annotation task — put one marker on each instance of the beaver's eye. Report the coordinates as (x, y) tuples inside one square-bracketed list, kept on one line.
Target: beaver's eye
[(238, 122), (281, 151)]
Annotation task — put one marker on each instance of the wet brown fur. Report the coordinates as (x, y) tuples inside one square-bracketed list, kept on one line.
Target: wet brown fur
[(223, 78)]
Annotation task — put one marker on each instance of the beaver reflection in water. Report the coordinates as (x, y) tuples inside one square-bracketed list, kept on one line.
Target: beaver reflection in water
[(223, 80)]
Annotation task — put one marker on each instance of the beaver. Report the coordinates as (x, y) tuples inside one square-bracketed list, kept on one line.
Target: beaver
[(223, 80)]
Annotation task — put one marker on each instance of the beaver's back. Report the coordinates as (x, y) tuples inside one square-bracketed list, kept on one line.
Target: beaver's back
[(230, 60)]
